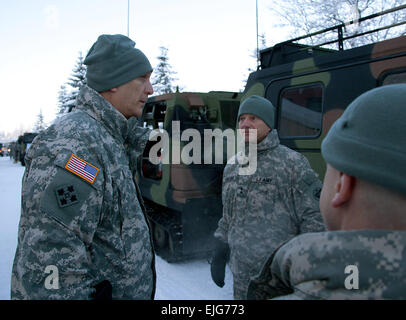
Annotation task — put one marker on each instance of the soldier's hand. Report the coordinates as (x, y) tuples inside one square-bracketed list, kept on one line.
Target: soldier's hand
[(218, 263), (218, 270), (103, 291)]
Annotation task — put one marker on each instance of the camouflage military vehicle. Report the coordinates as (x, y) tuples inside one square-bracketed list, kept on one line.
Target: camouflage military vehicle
[(184, 200), (21, 146), (310, 86)]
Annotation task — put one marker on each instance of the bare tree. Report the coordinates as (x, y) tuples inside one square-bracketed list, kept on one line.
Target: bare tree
[(308, 16)]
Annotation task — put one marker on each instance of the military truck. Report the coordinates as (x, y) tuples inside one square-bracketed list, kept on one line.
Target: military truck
[(183, 201), (22, 145), (310, 86)]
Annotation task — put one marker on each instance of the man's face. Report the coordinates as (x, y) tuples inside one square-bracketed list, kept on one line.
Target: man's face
[(330, 217), (250, 121), (131, 96)]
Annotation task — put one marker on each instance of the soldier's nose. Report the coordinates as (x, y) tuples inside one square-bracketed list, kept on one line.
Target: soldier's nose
[(149, 88), (242, 124)]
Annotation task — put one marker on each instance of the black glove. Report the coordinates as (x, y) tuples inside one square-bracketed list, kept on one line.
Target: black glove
[(218, 262), (103, 291)]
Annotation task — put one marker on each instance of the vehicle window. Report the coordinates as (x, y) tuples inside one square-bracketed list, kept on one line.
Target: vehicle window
[(301, 112)]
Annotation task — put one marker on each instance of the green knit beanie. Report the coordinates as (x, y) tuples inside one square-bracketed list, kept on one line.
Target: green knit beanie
[(369, 140), (260, 107), (113, 61)]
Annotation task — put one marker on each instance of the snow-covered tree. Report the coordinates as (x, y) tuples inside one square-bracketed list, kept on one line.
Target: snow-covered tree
[(69, 91), (66, 100), (307, 16), (40, 124), (78, 77), (162, 77)]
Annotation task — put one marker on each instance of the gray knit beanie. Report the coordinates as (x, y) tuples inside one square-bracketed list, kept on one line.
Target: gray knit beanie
[(113, 61), (261, 107), (369, 140)]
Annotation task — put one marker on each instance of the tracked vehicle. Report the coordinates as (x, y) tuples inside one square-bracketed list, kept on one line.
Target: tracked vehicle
[(183, 201)]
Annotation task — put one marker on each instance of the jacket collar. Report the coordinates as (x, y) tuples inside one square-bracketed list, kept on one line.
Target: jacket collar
[(91, 102), (271, 141)]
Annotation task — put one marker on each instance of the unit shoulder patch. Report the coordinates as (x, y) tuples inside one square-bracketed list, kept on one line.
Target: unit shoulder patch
[(66, 195)]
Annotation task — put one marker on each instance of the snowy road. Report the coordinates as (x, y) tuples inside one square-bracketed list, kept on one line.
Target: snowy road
[(189, 280)]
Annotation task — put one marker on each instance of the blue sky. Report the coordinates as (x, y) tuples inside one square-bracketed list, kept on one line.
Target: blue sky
[(209, 42)]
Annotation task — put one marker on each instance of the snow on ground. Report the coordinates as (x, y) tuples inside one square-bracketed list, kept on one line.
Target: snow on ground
[(10, 198), (189, 280)]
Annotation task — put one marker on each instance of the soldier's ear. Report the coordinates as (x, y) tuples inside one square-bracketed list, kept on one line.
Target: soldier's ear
[(344, 188)]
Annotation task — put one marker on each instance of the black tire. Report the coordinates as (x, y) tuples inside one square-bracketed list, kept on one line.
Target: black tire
[(160, 237)]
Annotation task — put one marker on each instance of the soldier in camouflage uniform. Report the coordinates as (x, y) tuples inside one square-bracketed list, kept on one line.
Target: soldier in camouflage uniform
[(262, 210), (82, 232), (363, 201)]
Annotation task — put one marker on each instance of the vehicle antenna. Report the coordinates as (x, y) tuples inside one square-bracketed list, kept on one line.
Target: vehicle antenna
[(256, 2), (128, 18)]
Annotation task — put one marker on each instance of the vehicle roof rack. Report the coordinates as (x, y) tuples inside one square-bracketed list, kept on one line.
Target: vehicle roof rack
[(290, 50)]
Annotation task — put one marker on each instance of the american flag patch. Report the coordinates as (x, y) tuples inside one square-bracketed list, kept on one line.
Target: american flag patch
[(82, 168)]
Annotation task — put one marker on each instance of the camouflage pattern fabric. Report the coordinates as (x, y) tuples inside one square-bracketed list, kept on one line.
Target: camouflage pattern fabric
[(260, 211), (312, 266), (89, 231)]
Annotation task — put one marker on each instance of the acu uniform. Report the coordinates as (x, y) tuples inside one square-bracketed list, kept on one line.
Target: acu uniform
[(81, 208), (261, 211), (315, 266)]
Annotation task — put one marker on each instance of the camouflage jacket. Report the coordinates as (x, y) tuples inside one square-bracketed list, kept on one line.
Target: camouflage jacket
[(86, 224), (357, 264), (260, 211)]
